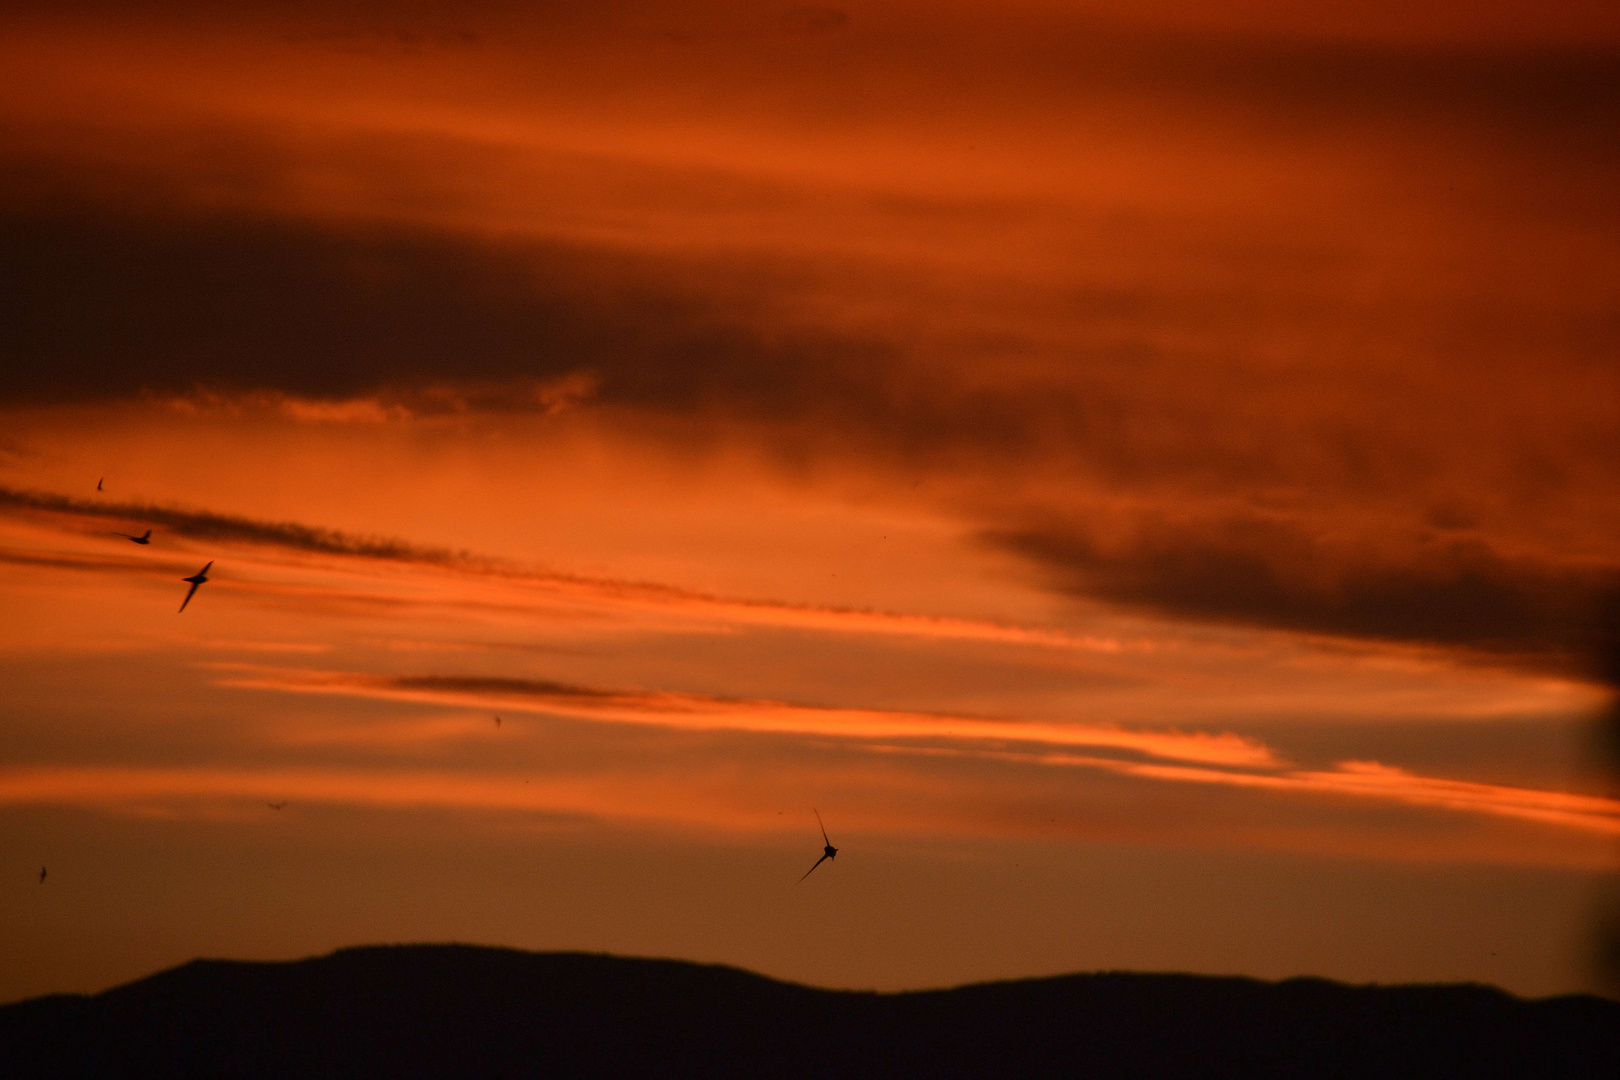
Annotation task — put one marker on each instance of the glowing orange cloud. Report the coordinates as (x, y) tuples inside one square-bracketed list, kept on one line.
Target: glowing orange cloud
[(693, 801), (1588, 813), (703, 713), (1220, 759), (1366, 779)]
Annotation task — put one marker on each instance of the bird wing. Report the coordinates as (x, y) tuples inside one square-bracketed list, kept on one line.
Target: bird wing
[(812, 870), (204, 570), (824, 839), (195, 585)]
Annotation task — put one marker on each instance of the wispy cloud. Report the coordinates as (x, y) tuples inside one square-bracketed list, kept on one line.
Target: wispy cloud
[(1371, 780), (1367, 780), (207, 527), (1222, 759), (701, 712), (723, 801)]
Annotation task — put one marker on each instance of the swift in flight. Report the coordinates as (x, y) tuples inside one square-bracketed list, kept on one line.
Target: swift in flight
[(42, 875), (144, 538), (98, 483), (829, 852), (196, 580), (277, 805)]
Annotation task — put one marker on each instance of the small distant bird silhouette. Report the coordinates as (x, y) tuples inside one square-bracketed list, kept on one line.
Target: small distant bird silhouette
[(829, 852), (42, 875), (98, 483), (497, 721), (144, 538), (196, 580)]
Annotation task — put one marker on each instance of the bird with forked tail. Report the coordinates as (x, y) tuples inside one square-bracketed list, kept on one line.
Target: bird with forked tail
[(828, 852), (196, 580)]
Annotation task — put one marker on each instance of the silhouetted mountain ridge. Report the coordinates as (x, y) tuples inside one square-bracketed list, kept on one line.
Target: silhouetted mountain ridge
[(468, 1011)]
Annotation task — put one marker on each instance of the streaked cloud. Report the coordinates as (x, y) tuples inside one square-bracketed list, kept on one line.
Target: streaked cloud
[(1371, 780), (706, 713), (1222, 759), (718, 802)]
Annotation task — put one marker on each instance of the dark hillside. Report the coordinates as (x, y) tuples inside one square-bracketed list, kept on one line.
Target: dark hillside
[(462, 1011)]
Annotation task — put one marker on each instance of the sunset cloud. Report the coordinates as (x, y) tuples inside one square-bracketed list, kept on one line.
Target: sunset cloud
[(704, 713), (712, 801), (1148, 426), (1371, 780), (1268, 570)]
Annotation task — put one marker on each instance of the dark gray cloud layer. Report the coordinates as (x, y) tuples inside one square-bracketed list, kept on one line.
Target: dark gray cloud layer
[(1260, 572), (1241, 380), (106, 305), (110, 304)]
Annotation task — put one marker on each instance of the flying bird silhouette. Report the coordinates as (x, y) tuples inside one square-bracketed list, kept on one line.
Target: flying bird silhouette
[(196, 583), (276, 805), (497, 721), (42, 875), (98, 483), (829, 852), (144, 538)]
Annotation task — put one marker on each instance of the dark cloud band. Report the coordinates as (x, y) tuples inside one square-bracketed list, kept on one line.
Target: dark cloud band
[(1270, 572)]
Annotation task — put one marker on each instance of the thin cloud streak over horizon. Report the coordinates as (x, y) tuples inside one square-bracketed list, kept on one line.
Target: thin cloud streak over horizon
[(706, 713), (648, 799), (1365, 779)]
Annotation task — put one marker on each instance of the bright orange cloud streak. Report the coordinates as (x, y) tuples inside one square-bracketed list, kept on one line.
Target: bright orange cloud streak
[(1583, 813), (1225, 754), (678, 800), (1367, 779), (702, 713)]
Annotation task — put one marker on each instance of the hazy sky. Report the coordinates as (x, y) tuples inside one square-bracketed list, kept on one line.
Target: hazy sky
[(1145, 475)]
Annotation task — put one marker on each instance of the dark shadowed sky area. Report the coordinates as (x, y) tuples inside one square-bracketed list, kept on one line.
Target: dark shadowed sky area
[(1145, 473)]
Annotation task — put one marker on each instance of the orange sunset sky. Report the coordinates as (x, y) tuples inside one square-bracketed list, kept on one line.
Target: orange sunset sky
[(1147, 473)]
